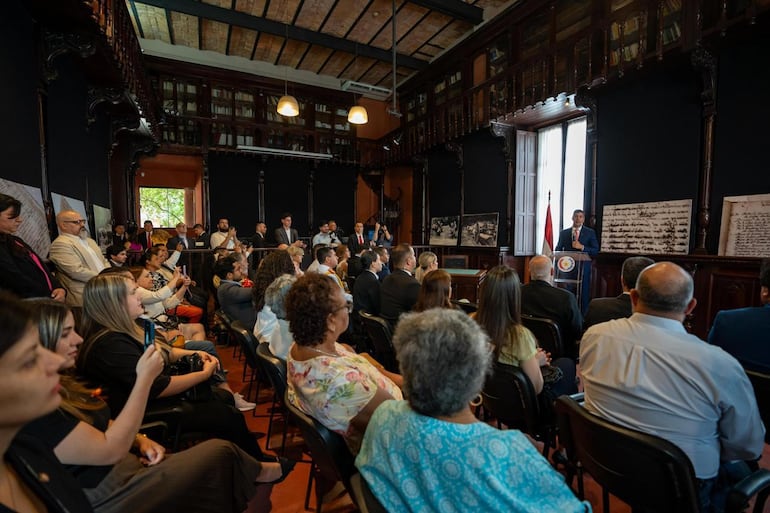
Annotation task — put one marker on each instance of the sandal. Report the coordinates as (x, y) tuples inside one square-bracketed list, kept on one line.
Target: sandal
[(287, 466)]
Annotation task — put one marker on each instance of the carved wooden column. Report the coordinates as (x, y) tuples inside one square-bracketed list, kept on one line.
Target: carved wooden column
[(587, 101), (706, 63), (506, 132)]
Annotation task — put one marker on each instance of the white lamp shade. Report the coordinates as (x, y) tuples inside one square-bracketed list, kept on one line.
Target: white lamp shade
[(288, 106), (358, 115)]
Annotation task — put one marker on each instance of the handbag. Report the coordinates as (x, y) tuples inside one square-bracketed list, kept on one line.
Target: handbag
[(185, 365), (551, 374), (168, 322)]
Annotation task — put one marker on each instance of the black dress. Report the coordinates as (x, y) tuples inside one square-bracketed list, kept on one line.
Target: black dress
[(20, 273)]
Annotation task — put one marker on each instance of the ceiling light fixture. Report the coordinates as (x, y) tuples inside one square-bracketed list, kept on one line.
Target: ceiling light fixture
[(357, 114), (287, 105)]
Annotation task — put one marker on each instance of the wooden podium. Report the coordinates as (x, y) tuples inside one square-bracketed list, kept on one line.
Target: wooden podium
[(466, 283), (568, 269)]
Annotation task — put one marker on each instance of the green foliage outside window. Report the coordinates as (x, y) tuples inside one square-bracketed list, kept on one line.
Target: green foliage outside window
[(164, 207)]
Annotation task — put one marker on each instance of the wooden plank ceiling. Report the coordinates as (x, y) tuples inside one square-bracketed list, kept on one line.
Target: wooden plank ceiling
[(340, 39)]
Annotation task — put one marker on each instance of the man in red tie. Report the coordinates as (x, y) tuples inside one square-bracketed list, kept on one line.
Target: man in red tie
[(357, 241), (145, 238)]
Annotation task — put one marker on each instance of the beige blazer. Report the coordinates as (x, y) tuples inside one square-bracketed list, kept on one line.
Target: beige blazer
[(74, 267)]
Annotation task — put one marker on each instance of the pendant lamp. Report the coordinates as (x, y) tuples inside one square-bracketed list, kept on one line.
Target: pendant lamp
[(358, 115), (287, 104)]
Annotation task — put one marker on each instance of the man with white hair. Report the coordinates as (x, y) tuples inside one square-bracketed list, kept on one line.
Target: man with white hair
[(647, 373), (540, 298), (77, 256)]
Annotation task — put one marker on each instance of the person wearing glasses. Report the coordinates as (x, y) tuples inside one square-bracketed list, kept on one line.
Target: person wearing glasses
[(327, 380), (76, 255)]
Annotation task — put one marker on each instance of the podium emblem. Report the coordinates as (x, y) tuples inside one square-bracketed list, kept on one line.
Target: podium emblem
[(565, 264)]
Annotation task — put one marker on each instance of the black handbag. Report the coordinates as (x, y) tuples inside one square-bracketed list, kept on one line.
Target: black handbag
[(167, 322), (185, 365)]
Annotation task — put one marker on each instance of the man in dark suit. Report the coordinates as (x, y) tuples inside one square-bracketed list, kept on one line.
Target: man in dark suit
[(399, 291), (581, 239), (541, 299), (202, 239), (258, 243), (119, 236), (285, 234), (745, 332), (180, 238), (605, 309), (145, 237), (385, 259), (357, 241), (366, 290)]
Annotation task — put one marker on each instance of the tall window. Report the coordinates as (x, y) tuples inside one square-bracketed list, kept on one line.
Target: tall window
[(162, 206), (560, 171)]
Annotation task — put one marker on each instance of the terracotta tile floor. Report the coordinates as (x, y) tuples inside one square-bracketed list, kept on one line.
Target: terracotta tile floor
[(289, 496)]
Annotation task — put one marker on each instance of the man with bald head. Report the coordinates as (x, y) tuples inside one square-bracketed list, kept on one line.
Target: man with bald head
[(646, 372), (540, 298), (77, 256)]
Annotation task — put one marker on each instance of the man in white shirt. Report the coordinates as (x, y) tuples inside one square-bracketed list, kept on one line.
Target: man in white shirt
[(646, 372), (77, 257), (324, 236), (224, 237)]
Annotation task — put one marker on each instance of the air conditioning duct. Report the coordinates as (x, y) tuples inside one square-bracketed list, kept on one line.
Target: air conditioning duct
[(368, 90)]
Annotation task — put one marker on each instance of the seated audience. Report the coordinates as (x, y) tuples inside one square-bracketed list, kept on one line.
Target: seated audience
[(540, 298), (605, 309), (272, 326), (328, 381), (212, 476), (234, 299), (297, 254), (119, 235), (154, 259), (647, 373), (435, 292), (273, 265), (117, 255), (385, 259), (366, 289), (29, 381), (113, 345), (499, 313), (343, 255), (324, 236), (23, 271), (745, 332), (399, 290), (416, 454), (427, 262), (313, 267)]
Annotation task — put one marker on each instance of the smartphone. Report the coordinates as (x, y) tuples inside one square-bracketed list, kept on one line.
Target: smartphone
[(149, 333), (184, 270)]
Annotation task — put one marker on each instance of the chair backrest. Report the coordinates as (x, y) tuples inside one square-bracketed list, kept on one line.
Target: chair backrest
[(330, 453), (761, 384), (546, 332), (245, 339), (379, 333), (509, 395), (454, 261), (645, 471), (275, 369)]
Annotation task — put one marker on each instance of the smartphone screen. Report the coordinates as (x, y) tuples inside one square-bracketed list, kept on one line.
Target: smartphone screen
[(149, 333), (184, 270)]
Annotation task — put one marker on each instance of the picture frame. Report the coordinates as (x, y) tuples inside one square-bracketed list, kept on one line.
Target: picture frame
[(479, 230), (444, 231)]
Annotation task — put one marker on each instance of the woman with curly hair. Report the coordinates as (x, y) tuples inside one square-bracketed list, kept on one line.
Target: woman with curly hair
[(327, 380), (435, 292), (272, 266)]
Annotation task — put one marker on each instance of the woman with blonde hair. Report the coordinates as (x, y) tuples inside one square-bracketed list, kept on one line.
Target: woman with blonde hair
[(343, 255), (297, 254), (212, 476), (427, 262), (113, 346)]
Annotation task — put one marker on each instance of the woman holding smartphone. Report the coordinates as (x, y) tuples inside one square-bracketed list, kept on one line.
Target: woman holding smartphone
[(113, 346)]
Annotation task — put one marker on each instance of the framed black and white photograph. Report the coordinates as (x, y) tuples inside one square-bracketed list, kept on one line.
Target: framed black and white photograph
[(103, 227), (444, 231), (479, 230)]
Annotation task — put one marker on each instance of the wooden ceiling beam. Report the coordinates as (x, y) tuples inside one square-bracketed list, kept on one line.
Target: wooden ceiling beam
[(231, 17), (457, 9)]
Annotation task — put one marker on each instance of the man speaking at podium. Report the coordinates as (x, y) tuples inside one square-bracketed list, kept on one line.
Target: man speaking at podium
[(583, 239)]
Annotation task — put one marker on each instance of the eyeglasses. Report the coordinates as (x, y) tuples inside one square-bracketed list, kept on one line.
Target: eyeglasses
[(77, 221)]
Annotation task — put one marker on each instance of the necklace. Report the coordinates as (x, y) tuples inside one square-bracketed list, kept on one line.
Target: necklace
[(333, 355)]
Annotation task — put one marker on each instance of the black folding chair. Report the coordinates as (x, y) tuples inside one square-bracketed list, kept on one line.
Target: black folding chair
[(380, 336), (547, 333)]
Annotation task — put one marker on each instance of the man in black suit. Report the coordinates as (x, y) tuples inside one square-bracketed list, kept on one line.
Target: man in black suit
[(541, 299), (258, 243), (581, 239), (357, 241), (145, 237), (119, 236), (399, 291), (285, 234), (202, 239), (605, 309), (181, 238), (366, 290)]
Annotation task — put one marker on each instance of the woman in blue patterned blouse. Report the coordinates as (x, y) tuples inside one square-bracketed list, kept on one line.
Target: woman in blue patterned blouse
[(430, 453)]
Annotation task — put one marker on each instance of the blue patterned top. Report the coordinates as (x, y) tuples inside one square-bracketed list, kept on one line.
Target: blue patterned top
[(416, 463)]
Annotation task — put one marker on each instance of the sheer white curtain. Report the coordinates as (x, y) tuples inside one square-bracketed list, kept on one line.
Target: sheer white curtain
[(574, 171), (549, 178)]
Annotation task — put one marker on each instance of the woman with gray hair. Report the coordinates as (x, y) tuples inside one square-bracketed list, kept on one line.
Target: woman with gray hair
[(272, 326), (431, 451)]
